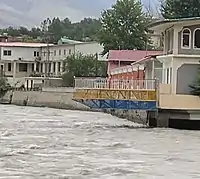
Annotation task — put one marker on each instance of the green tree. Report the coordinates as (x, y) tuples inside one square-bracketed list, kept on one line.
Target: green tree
[(124, 26), (80, 65), (85, 30), (173, 9), (4, 86)]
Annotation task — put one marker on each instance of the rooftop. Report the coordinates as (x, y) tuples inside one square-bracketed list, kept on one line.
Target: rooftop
[(65, 40), (22, 44), (129, 55), (163, 24)]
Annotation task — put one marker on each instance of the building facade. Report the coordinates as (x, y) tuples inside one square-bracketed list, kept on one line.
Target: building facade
[(177, 67), (19, 60), (119, 63)]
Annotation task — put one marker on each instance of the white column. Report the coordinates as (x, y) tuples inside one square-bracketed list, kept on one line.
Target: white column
[(14, 69), (35, 67), (43, 68), (56, 68), (177, 29), (153, 69), (61, 66), (52, 67)]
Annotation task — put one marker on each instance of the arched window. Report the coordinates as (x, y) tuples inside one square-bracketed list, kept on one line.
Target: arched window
[(186, 38), (196, 38)]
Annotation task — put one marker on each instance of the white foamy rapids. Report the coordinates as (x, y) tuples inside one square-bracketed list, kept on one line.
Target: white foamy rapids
[(50, 143)]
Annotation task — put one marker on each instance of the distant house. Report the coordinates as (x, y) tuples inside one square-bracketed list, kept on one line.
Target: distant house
[(119, 62), (67, 41)]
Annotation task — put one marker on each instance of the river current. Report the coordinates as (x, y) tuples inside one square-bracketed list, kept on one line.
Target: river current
[(41, 143)]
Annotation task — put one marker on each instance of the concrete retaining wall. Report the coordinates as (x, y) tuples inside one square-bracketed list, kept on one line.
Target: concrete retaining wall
[(47, 99), (62, 99)]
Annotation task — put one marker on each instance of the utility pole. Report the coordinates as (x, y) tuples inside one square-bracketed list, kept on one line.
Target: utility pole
[(47, 53)]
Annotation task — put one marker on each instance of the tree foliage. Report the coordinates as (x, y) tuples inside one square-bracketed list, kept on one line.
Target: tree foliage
[(80, 65), (4, 86), (173, 9), (83, 30), (124, 26)]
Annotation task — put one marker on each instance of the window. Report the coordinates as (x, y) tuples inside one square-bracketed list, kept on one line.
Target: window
[(59, 52), (54, 52), (41, 67), (70, 51), (23, 67), (7, 52), (36, 54), (197, 38), (167, 75), (54, 66), (186, 38), (64, 52), (9, 66), (59, 66)]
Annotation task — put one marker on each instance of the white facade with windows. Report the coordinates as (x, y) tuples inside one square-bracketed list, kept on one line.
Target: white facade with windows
[(177, 67), (181, 54), (18, 60)]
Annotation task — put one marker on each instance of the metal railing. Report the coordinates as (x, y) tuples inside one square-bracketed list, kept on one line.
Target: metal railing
[(106, 83)]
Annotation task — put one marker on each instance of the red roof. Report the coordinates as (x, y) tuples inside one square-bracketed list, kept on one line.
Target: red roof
[(130, 55)]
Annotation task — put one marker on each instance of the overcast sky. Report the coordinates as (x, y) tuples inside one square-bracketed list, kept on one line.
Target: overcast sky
[(34, 11)]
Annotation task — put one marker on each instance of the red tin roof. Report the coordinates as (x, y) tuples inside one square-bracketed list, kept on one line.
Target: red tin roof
[(130, 55)]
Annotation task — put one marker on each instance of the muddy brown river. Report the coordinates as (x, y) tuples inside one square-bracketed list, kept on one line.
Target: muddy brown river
[(42, 143)]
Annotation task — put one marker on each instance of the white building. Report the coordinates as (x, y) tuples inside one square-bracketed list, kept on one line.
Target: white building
[(18, 60), (177, 66)]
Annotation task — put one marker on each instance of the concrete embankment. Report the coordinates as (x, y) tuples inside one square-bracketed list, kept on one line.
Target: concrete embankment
[(62, 99)]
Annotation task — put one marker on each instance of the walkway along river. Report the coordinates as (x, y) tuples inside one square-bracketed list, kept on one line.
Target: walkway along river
[(50, 143)]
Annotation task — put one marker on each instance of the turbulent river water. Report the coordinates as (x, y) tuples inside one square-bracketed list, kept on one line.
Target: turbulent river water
[(50, 143)]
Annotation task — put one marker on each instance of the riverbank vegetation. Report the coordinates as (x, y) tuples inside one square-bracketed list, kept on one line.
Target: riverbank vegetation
[(4, 86), (79, 65)]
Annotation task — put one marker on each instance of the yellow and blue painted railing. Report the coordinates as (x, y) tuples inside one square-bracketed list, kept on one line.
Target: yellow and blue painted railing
[(117, 94)]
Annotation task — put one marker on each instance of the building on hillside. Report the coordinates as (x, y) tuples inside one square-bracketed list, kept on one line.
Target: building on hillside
[(66, 41), (7, 38), (20, 60), (178, 65), (90, 47), (119, 63)]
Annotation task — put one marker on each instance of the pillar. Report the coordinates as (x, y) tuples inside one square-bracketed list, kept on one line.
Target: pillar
[(43, 67), (14, 69), (61, 66), (35, 66), (56, 68), (52, 65)]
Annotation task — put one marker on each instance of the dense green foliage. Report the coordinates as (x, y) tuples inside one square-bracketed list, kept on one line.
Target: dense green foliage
[(172, 9), (80, 65), (124, 26), (4, 86), (83, 30)]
